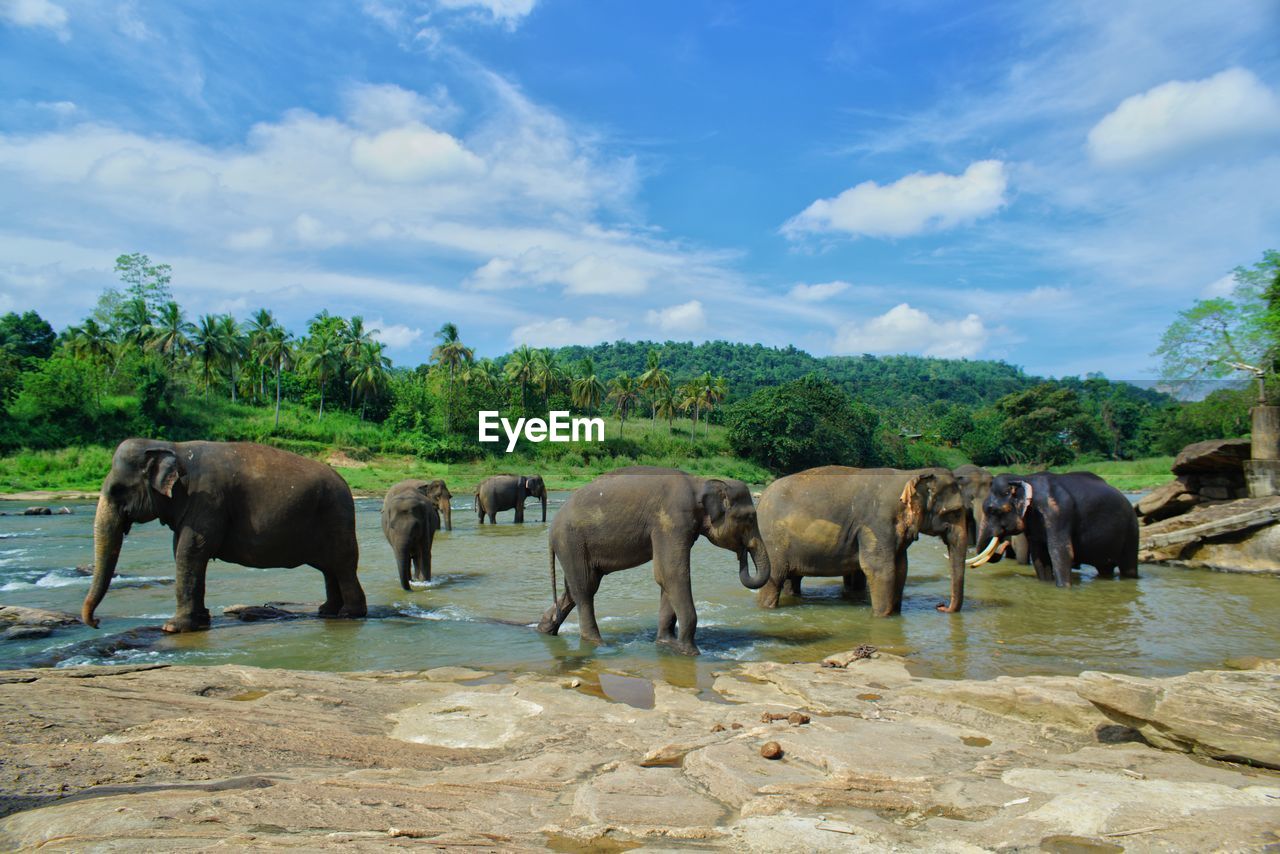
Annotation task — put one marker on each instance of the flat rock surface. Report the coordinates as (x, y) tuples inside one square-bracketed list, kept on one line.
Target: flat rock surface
[(1213, 456), (162, 758)]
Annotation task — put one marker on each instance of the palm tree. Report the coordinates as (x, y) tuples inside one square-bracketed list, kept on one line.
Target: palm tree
[(372, 374), (547, 375), (355, 340), (259, 329), (519, 369), (586, 388), (483, 374), (452, 354), (93, 344), (654, 380), (233, 347), (624, 392), (666, 403), (133, 323), (322, 357), (207, 343), (277, 349), (170, 335), (694, 396)]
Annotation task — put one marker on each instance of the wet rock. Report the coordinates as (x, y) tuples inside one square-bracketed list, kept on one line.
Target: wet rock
[(1233, 715), (637, 797), (771, 750), (64, 511), (1171, 499), (254, 613), (37, 511), (1213, 456), (19, 616), (15, 633)]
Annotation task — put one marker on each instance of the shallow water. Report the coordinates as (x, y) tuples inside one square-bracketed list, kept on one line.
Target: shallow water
[(492, 583)]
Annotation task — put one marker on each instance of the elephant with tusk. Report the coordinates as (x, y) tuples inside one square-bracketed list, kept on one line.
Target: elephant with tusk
[(1068, 519)]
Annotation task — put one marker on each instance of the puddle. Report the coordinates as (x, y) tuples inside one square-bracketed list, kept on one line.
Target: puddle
[(975, 741), (870, 698), (249, 695), (1065, 844)]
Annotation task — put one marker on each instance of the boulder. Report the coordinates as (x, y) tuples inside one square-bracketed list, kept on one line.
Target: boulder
[(1229, 715), (37, 511), (1171, 499), (1213, 456), (17, 615)]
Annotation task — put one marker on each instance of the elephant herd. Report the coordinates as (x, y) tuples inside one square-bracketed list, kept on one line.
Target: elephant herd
[(262, 507)]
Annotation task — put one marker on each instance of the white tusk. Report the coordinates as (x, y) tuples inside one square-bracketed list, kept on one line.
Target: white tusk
[(984, 555)]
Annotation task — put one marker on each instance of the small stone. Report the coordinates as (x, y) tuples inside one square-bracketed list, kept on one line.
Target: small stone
[(771, 750), (797, 718), (735, 725), (718, 728)]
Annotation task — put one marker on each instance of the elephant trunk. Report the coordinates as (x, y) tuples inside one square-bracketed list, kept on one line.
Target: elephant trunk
[(448, 516), (109, 528), (957, 546), (544, 506), (760, 557)]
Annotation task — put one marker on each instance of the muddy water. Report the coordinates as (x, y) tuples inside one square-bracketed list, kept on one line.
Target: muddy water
[(492, 583)]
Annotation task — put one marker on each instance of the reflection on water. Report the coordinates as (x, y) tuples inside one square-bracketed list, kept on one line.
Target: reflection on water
[(490, 584)]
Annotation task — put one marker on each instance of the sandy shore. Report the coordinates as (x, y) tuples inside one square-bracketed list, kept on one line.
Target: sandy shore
[(872, 758)]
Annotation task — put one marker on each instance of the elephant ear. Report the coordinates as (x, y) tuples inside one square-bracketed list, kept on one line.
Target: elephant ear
[(163, 470), (1021, 492), (913, 500), (428, 490), (715, 500)]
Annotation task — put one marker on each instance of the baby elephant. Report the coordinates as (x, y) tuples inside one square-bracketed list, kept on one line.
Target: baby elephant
[(631, 515), (410, 521)]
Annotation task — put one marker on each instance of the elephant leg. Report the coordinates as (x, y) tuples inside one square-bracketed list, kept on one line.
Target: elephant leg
[(191, 559), (672, 569), (344, 595), (556, 614), (588, 629), (519, 513), (1106, 570), (480, 510), (1060, 559), (767, 596), (333, 593), (666, 618), (794, 583), (899, 579), (855, 583), (1129, 566), (424, 559)]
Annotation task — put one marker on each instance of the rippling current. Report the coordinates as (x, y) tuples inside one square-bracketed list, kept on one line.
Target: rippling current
[(490, 585)]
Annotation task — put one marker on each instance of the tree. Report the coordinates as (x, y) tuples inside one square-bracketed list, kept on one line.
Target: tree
[(654, 380), (27, 337), (547, 374), (372, 374), (667, 405), (277, 349), (322, 355), (586, 389), (451, 354), (1218, 336), (801, 424), (146, 283), (207, 345), (1042, 424), (234, 349), (259, 329), (519, 370), (171, 333), (482, 374), (624, 392), (355, 340)]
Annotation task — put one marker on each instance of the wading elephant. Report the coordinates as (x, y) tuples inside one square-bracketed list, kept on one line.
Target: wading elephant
[(441, 497), (234, 501), (410, 519), (631, 515), (1069, 520), (857, 523), (509, 491), (975, 484)]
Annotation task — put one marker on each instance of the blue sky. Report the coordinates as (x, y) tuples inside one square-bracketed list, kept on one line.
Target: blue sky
[(1042, 183)]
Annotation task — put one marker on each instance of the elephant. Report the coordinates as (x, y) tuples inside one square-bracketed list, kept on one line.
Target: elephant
[(410, 519), (508, 491), (234, 501), (1069, 520), (857, 523), (630, 515), (440, 496), (975, 483)]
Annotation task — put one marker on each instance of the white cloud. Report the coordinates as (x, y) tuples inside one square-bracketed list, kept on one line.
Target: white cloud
[(36, 13), (1181, 115), (1223, 287), (61, 109), (377, 107), (684, 319), (817, 293), (253, 238), (608, 275), (903, 329), (411, 154), (506, 12), (911, 205), (313, 232), (394, 335), (562, 332)]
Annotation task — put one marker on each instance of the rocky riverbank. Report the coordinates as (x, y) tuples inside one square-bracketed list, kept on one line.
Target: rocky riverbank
[(871, 758)]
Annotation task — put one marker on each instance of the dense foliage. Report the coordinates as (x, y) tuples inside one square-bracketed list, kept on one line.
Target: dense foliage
[(138, 366)]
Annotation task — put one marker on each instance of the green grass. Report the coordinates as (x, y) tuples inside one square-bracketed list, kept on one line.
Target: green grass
[(1125, 475), (69, 469)]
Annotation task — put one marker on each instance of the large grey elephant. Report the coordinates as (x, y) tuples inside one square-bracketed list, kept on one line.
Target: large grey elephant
[(857, 524), (410, 519), (631, 515), (975, 483), (1068, 519), (234, 501), (509, 491), (439, 495)]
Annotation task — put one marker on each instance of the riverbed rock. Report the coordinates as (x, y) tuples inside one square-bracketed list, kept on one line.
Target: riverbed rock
[(1170, 499), (159, 758), (1233, 715), (37, 511), (1213, 456), (17, 615)]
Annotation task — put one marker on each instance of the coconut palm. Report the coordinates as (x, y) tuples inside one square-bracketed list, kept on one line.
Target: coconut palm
[(624, 392), (654, 380), (482, 374), (234, 349), (207, 346), (90, 341), (586, 388), (133, 323), (277, 350), (667, 404), (547, 374), (519, 369), (260, 327), (170, 334), (694, 396), (355, 340), (451, 354), (372, 374), (322, 356)]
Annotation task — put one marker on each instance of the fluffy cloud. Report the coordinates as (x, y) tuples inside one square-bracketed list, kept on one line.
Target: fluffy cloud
[(562, 332), (1222, 287), (394, 335), (1180, 116), (903, 329), (412, 154), (817, 293), (911, 205), (506, 12), (684, 319), (35, 13)]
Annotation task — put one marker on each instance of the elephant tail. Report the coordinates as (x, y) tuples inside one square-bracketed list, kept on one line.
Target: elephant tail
[(555, 596)]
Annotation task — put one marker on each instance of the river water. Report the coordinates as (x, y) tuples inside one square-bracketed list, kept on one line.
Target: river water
[(491, 584)]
